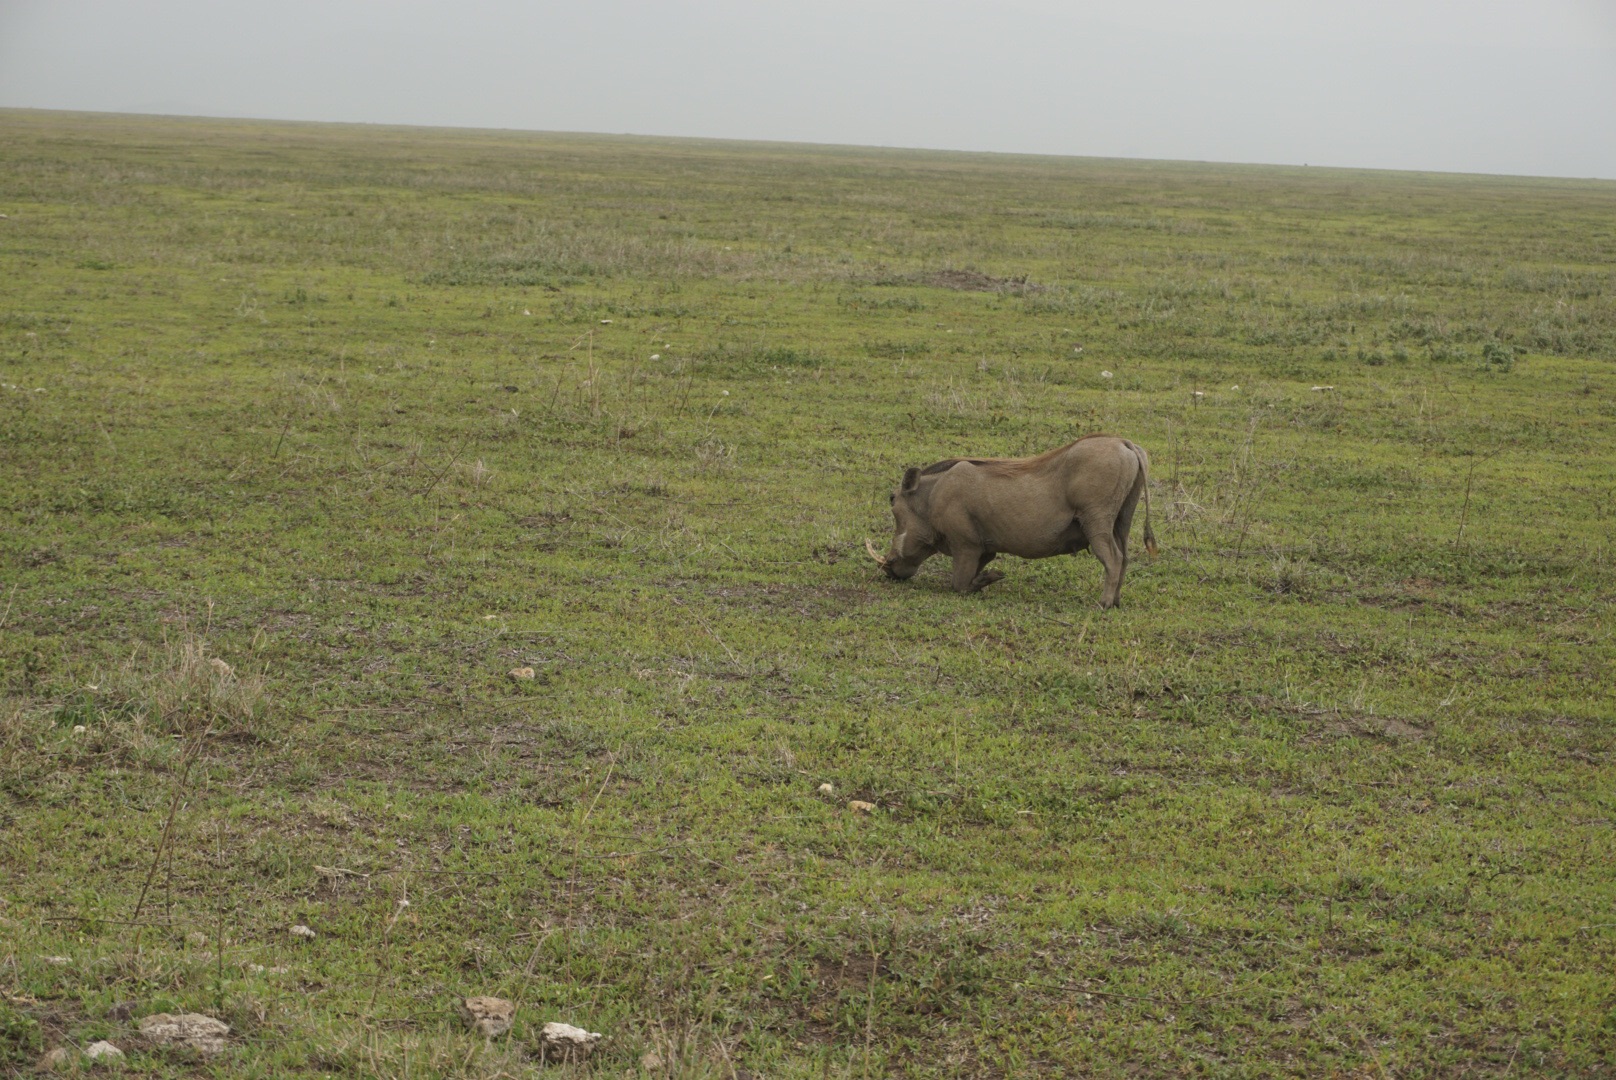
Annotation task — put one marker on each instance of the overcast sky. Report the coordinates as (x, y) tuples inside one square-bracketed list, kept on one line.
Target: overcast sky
[(1496, 86)]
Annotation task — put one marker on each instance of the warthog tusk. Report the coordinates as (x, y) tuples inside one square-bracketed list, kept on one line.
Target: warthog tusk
[(880, 559)]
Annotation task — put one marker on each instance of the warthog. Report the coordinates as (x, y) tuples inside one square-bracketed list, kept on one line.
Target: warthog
[(974, 509)]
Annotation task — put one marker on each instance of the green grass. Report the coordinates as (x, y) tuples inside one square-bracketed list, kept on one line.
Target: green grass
[(376, 415)]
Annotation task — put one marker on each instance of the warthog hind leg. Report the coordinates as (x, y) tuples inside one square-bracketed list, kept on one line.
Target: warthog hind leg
[(1112, 556)]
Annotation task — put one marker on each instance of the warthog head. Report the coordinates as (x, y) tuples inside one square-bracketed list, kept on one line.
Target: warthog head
[(913, 541)]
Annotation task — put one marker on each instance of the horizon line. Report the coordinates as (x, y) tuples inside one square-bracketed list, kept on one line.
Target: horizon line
[(806, 144)]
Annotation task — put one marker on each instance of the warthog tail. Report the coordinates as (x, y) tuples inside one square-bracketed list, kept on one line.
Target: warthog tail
[(1144, 472)]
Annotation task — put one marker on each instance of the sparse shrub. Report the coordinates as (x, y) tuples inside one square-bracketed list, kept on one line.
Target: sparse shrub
[(1496, 356), (177, 690), (957, 399), (714, 453), (736, 360), (897, 350), (788, 357), (1289, 576), (478, 473), (21, 1041), (1051, 302), (866, 302), (1419, 331)]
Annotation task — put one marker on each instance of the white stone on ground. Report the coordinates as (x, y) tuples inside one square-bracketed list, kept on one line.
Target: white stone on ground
[(201, 1033), (563, 1042)]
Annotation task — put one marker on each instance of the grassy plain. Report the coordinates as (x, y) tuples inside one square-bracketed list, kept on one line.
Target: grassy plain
[(374, 416)]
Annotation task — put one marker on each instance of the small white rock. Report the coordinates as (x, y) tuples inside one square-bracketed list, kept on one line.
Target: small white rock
[(103, 1049), (859, 806), (201, 1033), (79, 729), (59, 961), (301, 931), (1324, 388), (522, 673), (827, 789), (563, 1042), (1105, 375), (656, 356)]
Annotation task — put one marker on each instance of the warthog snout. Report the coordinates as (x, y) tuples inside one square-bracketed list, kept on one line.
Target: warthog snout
[(896, 566)]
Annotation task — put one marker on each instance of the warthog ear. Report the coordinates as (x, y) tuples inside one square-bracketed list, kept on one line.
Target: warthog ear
[(910, 477)]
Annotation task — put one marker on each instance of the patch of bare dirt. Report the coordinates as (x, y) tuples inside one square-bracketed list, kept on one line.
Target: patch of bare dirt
[(808, 601), (834, 981)]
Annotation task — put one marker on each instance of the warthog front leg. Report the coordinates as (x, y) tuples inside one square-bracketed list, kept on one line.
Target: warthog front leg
[(969, 575)]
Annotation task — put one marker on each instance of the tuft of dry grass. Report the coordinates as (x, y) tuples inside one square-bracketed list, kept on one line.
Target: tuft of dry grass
[(141, 711), (179, 688)]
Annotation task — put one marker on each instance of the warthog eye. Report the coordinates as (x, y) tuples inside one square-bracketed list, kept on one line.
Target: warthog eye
[(891, 499)]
